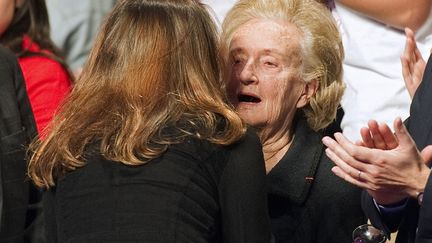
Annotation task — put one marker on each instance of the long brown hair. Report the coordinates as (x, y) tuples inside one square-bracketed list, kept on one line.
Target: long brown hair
[(153, 78)]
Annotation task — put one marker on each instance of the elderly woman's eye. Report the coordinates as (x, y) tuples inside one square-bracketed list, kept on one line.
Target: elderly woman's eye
[(237, 61), (271, 64)]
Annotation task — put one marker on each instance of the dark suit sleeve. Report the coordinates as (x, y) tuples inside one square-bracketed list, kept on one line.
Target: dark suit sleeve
[(373, 214), (425, 217), (420, 121), (243, 194), (420, 127), (17, 128), (389, 222)]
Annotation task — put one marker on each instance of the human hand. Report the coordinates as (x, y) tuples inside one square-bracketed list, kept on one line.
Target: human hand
[(380, 136), (377, 136), (389, 175), (413, 64)]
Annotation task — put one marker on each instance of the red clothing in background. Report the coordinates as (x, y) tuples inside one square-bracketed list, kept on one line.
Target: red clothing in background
[(48, 83)]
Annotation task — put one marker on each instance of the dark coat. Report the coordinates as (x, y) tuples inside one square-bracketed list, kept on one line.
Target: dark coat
[(307, 202), (420, 127), (194, 192), (413, 219), (17, 128)]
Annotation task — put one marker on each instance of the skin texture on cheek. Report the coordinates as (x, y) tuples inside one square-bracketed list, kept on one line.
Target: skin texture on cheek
[(282, 108)]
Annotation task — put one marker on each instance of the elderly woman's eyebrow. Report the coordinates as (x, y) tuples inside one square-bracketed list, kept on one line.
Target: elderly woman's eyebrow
[(273, 51), (267, 51), (237, 50)]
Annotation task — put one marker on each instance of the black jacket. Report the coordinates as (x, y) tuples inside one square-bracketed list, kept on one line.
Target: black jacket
[(195, 192), (414, 222), (307, 202), (17, 128)]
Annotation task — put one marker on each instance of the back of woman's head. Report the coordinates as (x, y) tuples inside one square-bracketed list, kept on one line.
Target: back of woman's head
[(152, 79), (322, 49), (153, 48)]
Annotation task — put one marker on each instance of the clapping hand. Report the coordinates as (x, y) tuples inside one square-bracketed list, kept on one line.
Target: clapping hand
[(388, 165), (413, 64)]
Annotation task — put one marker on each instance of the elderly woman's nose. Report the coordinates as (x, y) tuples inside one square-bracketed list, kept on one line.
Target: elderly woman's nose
[(248, 75)]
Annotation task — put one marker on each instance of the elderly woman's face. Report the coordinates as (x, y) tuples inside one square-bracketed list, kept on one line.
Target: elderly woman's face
[(265, 61)]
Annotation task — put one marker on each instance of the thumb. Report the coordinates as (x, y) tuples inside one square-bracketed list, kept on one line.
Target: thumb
[(426, 154), (402, 133)]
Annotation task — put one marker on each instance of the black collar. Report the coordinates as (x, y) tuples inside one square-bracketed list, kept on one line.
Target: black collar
[(293, 176)]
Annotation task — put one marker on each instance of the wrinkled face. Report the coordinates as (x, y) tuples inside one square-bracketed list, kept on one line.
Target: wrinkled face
[(264, 83), (7, 8)]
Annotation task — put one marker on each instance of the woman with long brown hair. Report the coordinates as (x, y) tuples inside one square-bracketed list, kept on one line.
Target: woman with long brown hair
[(146, 148)]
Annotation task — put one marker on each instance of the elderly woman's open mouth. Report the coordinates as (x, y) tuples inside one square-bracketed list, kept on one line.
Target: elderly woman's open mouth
[(249, 98)]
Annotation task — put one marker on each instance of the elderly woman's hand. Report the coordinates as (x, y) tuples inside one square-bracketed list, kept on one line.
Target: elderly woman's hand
[(413, 64), (389, 175)]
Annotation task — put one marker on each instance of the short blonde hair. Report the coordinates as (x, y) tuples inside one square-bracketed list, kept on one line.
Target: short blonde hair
[(321, 48)]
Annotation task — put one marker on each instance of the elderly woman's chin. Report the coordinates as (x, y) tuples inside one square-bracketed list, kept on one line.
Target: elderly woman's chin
[(251, 114)]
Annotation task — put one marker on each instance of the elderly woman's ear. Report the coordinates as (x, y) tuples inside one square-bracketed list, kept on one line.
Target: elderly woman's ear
[(309, 90)]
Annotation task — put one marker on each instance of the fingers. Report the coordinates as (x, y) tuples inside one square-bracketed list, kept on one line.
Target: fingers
[(347, 177), (402, 134), (390, 140), (417, 53), (426, 154), (406, 71), (341, 156), (361, 155), (407, 77), (360, 143), (410, 43), (409, 33), (412, 62), (366, 137), (347, 167), (378, 136), (410, 46)]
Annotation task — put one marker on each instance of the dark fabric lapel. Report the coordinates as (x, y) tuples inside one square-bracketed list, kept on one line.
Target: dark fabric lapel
[(420, 128), (17, 128), (293, 176), (420, 121)]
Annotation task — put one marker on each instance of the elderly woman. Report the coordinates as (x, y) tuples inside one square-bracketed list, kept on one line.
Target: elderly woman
[(284, 68)]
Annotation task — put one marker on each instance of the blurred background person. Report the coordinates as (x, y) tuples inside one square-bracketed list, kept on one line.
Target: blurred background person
[(389, 166), (25, 31), (74, 25), (219, 8), (284, 74), (146, 148), (17, 129), (373, 39)]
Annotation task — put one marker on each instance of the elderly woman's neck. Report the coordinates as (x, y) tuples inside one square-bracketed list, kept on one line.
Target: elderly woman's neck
[(275, 146)]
